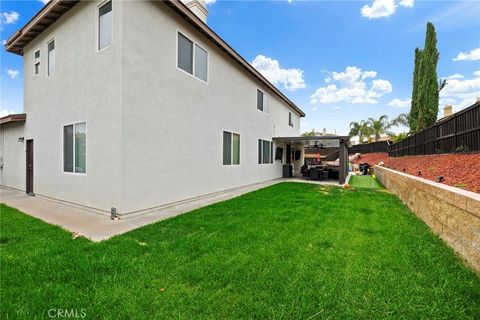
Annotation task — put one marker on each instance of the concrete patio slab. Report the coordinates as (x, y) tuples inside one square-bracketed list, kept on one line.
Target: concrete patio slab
[(97, 226)]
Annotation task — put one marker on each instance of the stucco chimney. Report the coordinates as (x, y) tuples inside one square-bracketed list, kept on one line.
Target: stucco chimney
[(447, 110), (199, 7)]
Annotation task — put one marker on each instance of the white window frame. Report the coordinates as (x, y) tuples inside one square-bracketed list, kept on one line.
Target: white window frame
[(47, 69), (266, 98), (189, 37), (35, 61), (97, 27), (231, 149), (86, 148), (272, 158)]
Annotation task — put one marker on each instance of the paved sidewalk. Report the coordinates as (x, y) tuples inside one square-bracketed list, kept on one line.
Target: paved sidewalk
[(97, 226)]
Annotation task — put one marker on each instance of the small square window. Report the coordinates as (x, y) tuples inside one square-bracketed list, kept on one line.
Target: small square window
[(105, 25), (36, 62), (262, 102), (231, 148), (51, 58), (265, 151)]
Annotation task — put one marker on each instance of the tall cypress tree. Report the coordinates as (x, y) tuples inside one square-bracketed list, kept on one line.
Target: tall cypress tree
[(428, 84), (413, 117)]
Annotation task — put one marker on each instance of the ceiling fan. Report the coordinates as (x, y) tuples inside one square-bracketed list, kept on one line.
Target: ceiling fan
[(322, 146)]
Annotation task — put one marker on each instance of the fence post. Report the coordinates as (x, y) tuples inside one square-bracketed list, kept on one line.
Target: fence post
[(455, 141)]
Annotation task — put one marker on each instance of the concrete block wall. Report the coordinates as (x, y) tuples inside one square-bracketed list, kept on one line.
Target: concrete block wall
[(452, 213)]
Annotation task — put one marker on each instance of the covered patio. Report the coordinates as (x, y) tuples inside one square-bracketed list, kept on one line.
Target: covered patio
[(316, 158)]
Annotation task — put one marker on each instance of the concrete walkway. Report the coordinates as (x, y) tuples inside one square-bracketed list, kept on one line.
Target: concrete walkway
[(97, 225)]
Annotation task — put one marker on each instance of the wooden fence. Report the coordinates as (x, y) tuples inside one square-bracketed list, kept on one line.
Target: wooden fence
[(373, 147), (457, 133)]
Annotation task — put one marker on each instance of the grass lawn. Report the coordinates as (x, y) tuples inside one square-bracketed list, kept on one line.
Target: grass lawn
[(289, 251), (364, 182)]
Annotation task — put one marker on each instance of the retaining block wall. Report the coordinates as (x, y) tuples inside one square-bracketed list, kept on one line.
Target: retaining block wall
[(452, 213)]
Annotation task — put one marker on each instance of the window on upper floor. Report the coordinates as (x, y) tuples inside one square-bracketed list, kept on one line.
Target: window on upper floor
[(36, 62), (231, 148), (75, 148), (51, 58), (265, 151), (290, 121), (192, 58), (262, 102), (105, 25)]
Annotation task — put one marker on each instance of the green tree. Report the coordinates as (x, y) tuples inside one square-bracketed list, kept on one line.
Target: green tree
[(413, 116), (428, 83), (360, 129), (379, 126), (402, 119), (309, 134)]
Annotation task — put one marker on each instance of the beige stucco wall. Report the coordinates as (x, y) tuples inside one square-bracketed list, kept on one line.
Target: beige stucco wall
[(86, 86), (452, 213), (12, 156), (154, 133), (173, 123)]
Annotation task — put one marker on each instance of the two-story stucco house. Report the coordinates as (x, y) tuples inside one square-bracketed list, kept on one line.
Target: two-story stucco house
[(137, 104)]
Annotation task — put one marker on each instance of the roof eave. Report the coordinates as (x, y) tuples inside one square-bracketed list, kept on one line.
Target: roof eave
[(50, 13), (53, 10), (19, 117), (202, 27)]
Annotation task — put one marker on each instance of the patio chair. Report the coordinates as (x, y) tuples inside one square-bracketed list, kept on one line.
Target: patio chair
[(314, 173)]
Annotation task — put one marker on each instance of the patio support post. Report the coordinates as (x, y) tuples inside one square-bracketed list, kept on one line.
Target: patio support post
[(343, 159)]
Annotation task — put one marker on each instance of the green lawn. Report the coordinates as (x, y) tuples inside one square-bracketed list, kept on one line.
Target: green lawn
[(290, 251), (364, 182)]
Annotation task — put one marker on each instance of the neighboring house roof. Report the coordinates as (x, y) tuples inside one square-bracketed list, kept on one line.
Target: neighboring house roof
[(53, 10), (21, 117)]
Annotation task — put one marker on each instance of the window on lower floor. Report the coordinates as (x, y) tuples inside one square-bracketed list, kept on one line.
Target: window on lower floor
[(265, 151), (75, 148), (231, 148)]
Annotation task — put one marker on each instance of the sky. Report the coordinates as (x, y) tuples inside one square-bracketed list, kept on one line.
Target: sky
[(339, 61)]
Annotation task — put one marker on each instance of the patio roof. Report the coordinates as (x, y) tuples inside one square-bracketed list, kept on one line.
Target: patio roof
[(325, 141)]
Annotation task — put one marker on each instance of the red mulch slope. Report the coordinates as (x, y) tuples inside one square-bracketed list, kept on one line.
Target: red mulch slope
[(459, 170)]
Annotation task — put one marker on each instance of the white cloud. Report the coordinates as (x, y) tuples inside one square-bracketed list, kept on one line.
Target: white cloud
[(291, 79), (456, 76), (5, 112), (384, 8), (400, 103), (461, 93), (13, 74), (407, 3), (351, 86), (473, 55), (336, 108), (9, 17), (378, 9), (4, 42), (207, 2)]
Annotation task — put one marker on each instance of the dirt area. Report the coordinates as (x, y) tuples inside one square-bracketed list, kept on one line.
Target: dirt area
[(458, 170)]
